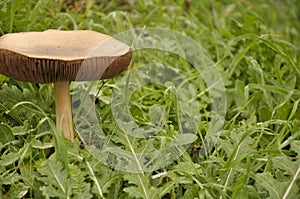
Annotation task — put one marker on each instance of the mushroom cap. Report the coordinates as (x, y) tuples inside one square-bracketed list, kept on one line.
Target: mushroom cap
[(55, 55)]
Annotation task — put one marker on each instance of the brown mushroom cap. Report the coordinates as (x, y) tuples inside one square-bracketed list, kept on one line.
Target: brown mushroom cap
[(55, 55)]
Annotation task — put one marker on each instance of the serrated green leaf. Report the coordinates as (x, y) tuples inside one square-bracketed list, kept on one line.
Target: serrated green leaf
[(167, 187), (179, 178), (80, 189), (77, 177), (10, 178), (134, 192), (54, 176), (285, 164), (17, 191), (98, 188), (108, 180), (50, 191), (140, 186), (274, 187), (83, 193)]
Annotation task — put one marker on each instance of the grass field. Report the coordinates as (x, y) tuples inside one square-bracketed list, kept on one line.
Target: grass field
[(255, 48)]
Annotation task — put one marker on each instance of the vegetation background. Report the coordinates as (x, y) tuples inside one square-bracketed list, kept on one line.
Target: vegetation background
[(256, 46)]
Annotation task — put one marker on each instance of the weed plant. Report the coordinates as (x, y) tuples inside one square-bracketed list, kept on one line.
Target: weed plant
[(255, 45)]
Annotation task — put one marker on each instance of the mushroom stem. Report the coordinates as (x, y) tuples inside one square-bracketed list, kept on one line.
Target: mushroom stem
[(64, 123)]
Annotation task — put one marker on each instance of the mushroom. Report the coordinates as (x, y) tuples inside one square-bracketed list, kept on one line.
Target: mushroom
[(56, 56)]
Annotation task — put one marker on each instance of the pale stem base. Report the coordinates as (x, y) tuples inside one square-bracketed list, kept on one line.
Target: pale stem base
[(64, 123)]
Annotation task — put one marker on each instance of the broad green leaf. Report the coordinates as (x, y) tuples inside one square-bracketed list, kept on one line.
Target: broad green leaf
[(283, 111), (19, 130), (8, 159), (240, 192), (295, 146), (185, 138), (157, 115), (2, 77), (187, 168), (39, 145), (6, 134), (239, 96), (264, 114)]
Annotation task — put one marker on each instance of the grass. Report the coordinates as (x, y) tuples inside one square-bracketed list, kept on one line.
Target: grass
[(255, 45)]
